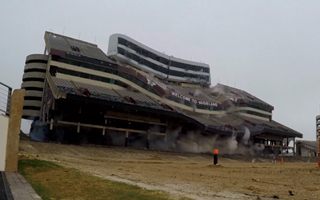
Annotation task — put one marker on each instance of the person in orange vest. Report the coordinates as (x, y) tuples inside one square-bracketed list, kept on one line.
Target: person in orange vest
[(215, 156)]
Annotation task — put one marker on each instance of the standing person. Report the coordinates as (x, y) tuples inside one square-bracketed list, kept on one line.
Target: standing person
[(215, 156)]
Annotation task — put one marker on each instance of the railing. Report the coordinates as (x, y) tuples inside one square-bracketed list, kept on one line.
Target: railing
[(5, 99)]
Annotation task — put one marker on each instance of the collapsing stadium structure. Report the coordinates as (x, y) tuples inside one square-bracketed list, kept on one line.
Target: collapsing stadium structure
[(137, 96)]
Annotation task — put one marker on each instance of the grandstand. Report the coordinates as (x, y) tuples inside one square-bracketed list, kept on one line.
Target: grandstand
[(84, 95)]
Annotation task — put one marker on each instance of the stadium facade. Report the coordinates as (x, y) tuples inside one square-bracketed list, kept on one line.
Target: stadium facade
[(137, 95), (165, 67)]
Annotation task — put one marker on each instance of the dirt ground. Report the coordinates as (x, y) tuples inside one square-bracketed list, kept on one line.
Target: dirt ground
[(187, 175)]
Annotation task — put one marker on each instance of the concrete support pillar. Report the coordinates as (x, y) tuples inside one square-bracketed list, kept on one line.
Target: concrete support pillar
[(78, 127), (16, 107), (147, 140), (126, 141)]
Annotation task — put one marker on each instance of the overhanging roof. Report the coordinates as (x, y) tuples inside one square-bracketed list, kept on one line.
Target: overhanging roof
[(73, 46)]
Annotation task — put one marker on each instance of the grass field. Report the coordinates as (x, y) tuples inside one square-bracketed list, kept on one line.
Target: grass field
[(176, 174), (52, 181)]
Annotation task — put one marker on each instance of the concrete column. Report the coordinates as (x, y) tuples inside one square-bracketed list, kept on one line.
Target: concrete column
[(126, 139), (147, 140), (14, 130)]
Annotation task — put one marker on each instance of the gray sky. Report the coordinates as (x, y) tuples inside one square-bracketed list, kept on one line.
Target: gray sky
[(269, 48)]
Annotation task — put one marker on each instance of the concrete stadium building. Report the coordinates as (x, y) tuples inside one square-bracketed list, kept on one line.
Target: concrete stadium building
[(127, 50), (136, 95), (33, 82)]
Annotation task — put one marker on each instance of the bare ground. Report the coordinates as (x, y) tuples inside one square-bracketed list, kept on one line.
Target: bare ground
[(186, 175)]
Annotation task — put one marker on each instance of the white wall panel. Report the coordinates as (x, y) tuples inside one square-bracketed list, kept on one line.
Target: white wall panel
[(4, 122)]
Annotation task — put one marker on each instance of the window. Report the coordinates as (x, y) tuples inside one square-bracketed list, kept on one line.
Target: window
[(33, 88), (36, 61), (34, 79), (33, 98), (31, 108), (35, 70)]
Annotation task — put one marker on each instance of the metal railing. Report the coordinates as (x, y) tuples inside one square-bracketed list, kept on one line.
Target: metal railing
[(5, 99)]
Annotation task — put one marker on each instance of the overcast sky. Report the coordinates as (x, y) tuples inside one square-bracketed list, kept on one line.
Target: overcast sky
[(269, 48)]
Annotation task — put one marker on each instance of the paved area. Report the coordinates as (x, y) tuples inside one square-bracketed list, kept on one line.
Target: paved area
[(20, 188)]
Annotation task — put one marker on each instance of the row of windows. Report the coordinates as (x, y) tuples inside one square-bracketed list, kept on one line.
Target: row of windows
[(35, 70), (160, 59), (32, 98), (33, 79), (31, 108), (55, 69), (90, 60), (159, 68), (107, 66), (33, 88), (257, 114), (36, 61), (255, 104), (87, 63), (142, 61), (104, 67)]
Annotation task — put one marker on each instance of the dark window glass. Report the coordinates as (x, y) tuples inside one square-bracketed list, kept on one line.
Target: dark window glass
[(31, 108), (142, 61), (32, 98), (33, 88), (54, 69), (162, 60), (34, 79), (36, 61), (256, 114), (160, 68), (35, 70)]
